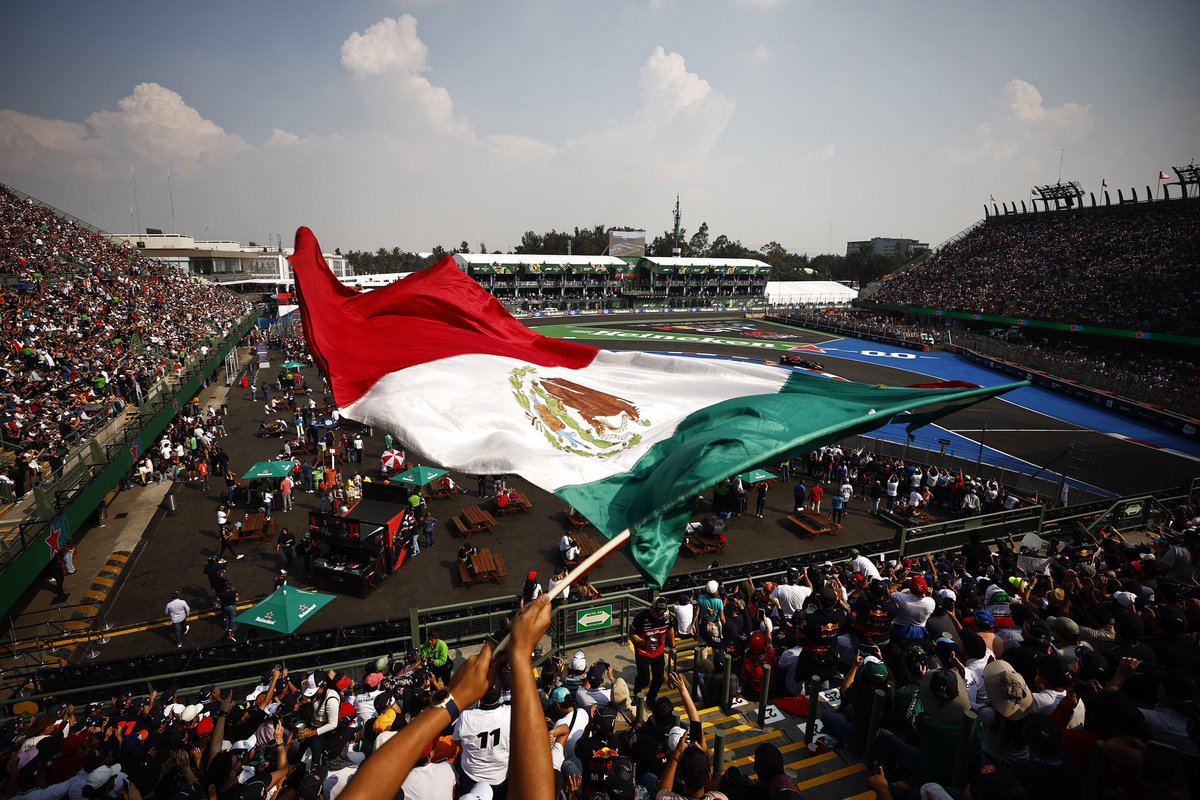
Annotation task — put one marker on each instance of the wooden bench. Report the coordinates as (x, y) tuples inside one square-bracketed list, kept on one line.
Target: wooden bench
[(575, 521), (465, 574), (812, 527), (489, 566), (701, 547), (462, 528)]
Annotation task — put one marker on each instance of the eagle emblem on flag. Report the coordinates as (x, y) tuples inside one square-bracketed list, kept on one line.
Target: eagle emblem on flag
[(575, 418)]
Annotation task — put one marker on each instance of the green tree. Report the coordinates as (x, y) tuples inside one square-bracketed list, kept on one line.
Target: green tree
[(697, 246)]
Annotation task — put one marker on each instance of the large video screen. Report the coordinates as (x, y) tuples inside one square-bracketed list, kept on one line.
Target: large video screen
[(627, 244)]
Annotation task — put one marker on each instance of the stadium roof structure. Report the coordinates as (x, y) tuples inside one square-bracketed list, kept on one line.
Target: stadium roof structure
[(683, 261), (790, 293), (534, 258)]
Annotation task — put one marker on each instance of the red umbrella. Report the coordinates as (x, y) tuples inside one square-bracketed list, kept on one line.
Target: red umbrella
[(392, 459)]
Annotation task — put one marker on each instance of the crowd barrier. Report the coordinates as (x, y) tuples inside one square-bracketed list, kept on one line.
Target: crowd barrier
[(575, 625)]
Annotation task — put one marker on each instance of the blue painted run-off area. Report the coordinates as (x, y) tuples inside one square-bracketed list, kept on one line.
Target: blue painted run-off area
[(949, 367)]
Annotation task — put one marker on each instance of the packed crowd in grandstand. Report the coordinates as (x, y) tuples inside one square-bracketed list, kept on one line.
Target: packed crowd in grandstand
[(89, 327), (1129, 269)]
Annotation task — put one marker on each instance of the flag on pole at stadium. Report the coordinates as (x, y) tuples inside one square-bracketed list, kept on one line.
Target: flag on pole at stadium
[(626, 438), (1162, 176), (993, 198), (1104, 183)]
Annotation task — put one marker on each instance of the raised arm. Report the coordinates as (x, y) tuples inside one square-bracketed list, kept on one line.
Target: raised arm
[(530, 773), (381, 776)]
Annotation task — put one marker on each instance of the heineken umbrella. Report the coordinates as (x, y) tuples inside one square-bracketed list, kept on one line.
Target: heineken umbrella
[(756, 476), (418, 476), (268, 469), (292, 365), (285, 610)]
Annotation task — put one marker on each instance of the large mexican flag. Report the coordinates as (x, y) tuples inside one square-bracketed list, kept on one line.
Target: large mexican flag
[(628, 439)]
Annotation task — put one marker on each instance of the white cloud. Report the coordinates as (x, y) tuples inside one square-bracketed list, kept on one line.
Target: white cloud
[(823, 154), (282, 138), (672, 134), (760, 54), (153, 125), (390, 44), (391, 52), (1022, 127), (1025, 102)]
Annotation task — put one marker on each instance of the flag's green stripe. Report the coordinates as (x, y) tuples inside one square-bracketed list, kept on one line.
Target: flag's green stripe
[(655, 497)]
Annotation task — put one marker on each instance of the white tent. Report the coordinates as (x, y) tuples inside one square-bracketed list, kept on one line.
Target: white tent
[(796, 293)]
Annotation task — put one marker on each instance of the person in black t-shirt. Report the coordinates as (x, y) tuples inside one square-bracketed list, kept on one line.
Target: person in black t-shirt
[(820, 632), (598, 748), (652, 634), (649, 750), (873, 614)]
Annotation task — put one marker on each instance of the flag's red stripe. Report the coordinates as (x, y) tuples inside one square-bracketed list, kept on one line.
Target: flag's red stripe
[(436, 313)]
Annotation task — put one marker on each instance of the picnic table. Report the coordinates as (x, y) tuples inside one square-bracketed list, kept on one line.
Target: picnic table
[(517, 503), (812, 523), (588, 545), (473, 520), (485, 566), (255, 527)]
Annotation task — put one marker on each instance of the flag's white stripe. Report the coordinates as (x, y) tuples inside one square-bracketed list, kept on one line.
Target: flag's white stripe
[(462, 412)]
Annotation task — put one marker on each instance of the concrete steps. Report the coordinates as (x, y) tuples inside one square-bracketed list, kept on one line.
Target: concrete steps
[(820, 774)]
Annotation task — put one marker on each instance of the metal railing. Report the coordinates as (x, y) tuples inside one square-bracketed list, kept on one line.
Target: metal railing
[(1132, 512), (1009, 472), (465, 624)]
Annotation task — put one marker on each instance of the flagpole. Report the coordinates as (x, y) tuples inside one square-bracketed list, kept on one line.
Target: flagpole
[(581, 569)]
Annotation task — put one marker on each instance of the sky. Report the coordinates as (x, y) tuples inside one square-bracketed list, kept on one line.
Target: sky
[(386, 123)]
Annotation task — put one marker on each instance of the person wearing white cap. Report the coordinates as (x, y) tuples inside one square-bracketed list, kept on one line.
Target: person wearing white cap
[(711, 607)]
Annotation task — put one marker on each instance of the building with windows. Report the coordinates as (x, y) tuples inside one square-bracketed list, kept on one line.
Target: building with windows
[(247, 269), (882, 246)]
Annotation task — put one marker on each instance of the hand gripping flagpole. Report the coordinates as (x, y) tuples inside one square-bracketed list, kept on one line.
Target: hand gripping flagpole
[(580, 569)]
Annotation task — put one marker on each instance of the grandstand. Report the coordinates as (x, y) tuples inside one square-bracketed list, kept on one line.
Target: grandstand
[(99, 340), (553, 283), (1127, 267)]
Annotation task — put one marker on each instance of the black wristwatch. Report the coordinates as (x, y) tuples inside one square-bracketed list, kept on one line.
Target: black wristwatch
[(443, 699)]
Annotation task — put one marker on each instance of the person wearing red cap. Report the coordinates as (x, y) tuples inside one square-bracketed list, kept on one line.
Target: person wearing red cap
[(531, 590), (914, 606), (759, 654)]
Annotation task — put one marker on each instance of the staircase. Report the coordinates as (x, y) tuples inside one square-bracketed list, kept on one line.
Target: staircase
[(820, 775)]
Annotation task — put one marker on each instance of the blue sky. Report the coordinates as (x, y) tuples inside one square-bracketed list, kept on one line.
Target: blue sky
[(411, 124)]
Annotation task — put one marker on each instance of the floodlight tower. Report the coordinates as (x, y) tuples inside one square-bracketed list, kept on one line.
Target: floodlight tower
[(1189, 179), (1061, 194)]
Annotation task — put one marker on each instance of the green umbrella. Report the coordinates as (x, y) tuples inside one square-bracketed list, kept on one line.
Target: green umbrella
[(418, 476), (268, 469), (285, 610), (292, 365), (756, 476)]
